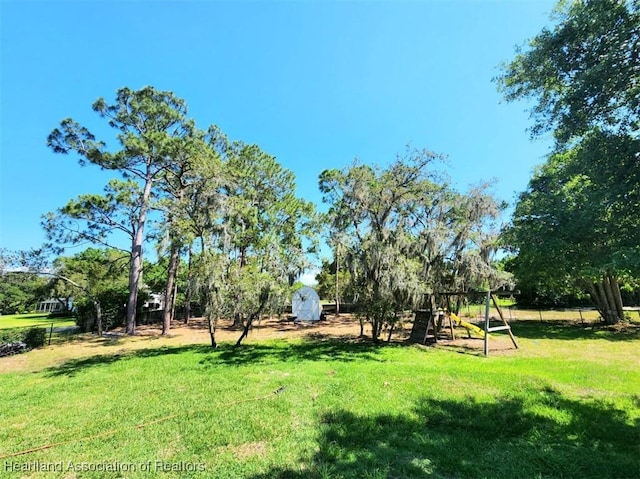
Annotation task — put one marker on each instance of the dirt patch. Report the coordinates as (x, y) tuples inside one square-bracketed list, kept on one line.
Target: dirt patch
[(197, 330), (345, 327), (250, 449), (624, 327), (499, 345)]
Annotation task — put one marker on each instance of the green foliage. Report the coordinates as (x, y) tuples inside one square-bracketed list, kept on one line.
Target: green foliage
[(152, 127), (578, 216), (576, 226), (231, 198), (99, 275), (254, 232), (262, 212), (19, 290), (583, 73), (146, 121), (94, 268), (112, 303), (405, 232), (326, 279), (155, 275), (255, 291), (13, 298), (11, 335), (35, 337), (541, 290)]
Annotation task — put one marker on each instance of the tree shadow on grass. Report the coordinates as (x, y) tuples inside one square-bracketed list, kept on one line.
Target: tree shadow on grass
[(319, 349), (574, 330), (544, 435), (74, 366)]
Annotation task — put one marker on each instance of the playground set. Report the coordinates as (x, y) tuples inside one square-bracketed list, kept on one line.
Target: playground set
[(439, 319)]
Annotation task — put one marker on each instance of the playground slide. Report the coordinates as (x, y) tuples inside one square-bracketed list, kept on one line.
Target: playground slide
[(469, 326)]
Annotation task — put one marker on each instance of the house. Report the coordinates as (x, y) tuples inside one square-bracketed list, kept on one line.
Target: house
[(154, 303), (54, 305)]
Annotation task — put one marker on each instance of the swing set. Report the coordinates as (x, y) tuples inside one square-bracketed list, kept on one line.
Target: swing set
[(435, 321)]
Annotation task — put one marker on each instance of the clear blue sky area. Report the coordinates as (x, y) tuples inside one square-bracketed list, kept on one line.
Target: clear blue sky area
[(315, 84)]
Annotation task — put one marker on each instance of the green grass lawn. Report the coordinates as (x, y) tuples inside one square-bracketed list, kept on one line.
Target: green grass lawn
[(10, 321), (565, 405)]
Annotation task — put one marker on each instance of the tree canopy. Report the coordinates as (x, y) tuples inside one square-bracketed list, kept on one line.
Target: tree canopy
[(19, 290), (98, 278), (254, 234), (151, 126), (406, 233), (231, 198), (582, 73), (577, 223)]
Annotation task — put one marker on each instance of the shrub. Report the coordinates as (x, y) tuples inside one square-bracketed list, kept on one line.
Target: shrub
[(112, 303), (35, 337), (11, 335)]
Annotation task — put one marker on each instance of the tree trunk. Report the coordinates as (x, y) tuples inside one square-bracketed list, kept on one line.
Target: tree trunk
[(243, 255), (593, 294), (377, 324), (135, 272), (611, 307), (617, 296), (62, 303), (613, 314), (174, 299), (187, 301), (245, 330), (603, 305), (169, 295), (98, 316), (264, 297), (135, 268), (603, 295), (337, 277), (238, 318), (374, 328), (393, 325), (212, 330)]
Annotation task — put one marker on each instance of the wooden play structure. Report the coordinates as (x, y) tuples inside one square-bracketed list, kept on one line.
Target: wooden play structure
[(438, 319)]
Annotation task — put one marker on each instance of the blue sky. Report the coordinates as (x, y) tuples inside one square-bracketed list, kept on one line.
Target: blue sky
[(315, 84)]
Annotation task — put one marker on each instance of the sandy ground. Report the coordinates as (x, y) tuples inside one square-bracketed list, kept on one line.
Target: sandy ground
[(345, 326), (269, 328), (79, 346)]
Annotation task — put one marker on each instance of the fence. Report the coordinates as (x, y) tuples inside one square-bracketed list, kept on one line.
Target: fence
[(511, 313)]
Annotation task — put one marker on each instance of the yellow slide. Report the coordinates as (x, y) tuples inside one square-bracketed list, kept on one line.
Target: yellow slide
[(469, 326)]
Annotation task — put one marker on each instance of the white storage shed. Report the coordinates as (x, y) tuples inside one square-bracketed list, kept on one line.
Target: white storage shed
[(305, 304)]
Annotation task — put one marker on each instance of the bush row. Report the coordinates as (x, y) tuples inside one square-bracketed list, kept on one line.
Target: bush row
[(33, 337)]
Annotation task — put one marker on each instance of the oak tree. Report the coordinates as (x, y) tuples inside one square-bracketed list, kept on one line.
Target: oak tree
[(409, 233), (576, 224)]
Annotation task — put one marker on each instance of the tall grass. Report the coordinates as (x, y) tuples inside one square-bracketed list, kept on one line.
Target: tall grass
[(564, 405)]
